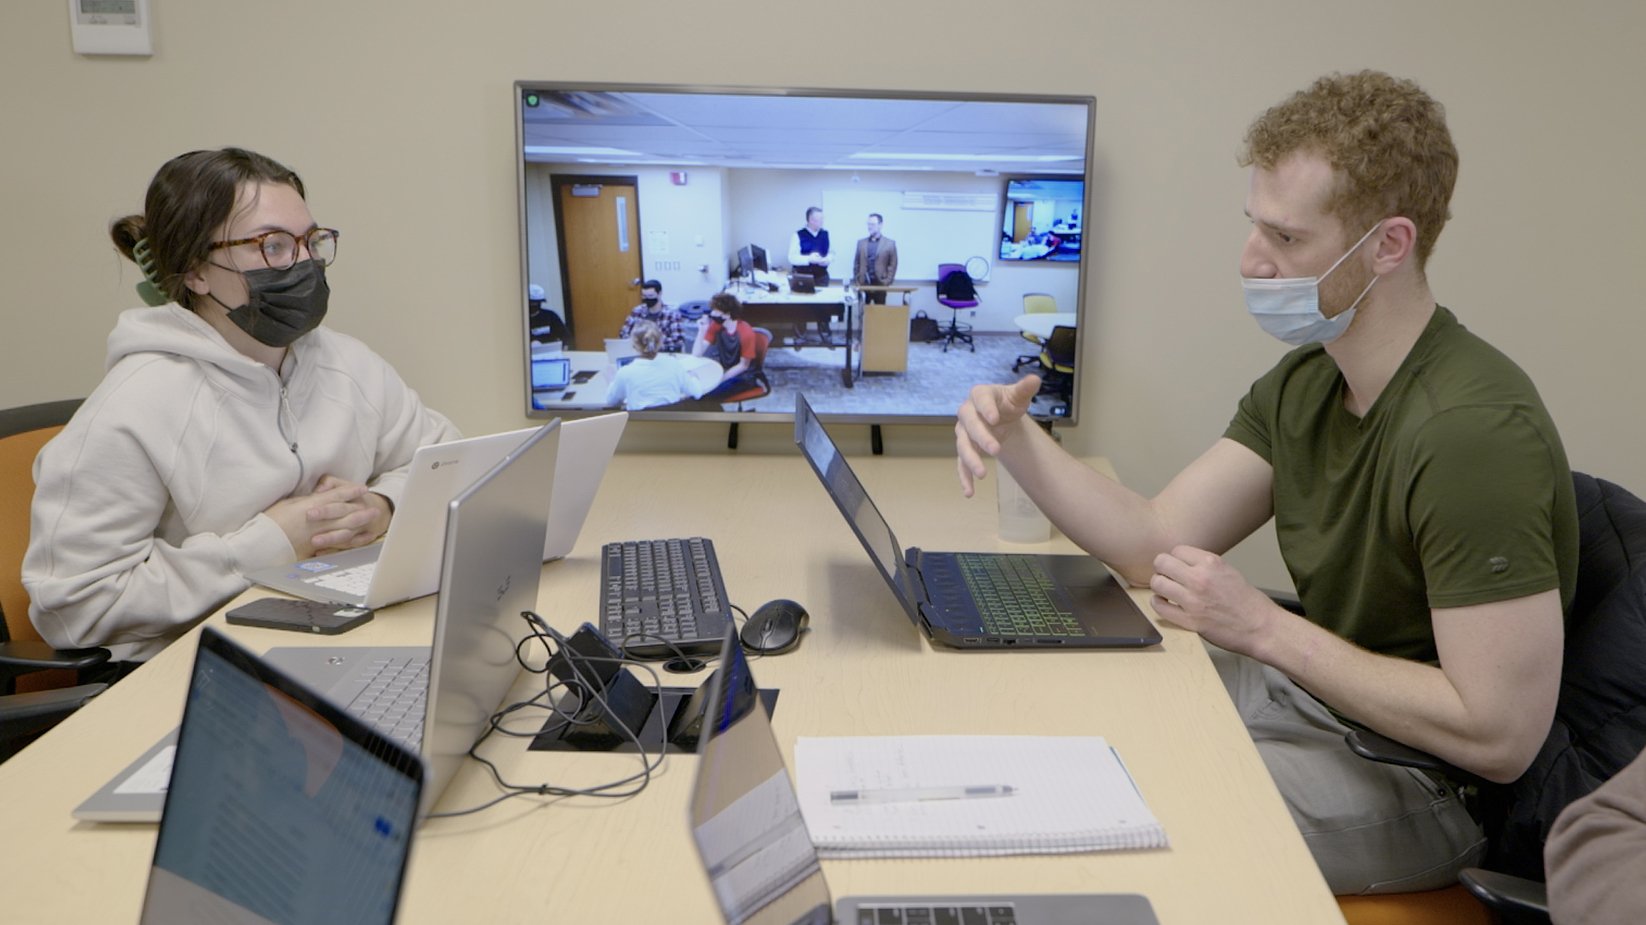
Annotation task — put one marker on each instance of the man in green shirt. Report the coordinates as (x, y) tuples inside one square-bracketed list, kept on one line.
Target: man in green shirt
[(1421, 497)]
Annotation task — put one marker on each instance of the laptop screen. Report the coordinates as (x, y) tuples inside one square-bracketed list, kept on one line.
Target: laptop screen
[(848, 494), (744, 815), (551, 372), (281, 809)]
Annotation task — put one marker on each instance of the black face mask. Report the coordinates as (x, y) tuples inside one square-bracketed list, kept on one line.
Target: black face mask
[(282, 305), (650, 302)]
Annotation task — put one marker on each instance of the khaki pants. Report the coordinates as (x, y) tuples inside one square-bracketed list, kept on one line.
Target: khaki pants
[(1372, 827)]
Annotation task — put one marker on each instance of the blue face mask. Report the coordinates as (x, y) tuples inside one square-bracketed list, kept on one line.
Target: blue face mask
[(1290, 308)]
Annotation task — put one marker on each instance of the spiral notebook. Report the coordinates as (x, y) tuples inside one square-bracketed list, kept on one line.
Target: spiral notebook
[(964, 796)]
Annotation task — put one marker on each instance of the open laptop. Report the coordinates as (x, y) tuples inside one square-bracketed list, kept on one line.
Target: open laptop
[(550, 373), (619, 350), (976, 600), (266, 769), (759, 858), (447, 690), (406, 564)]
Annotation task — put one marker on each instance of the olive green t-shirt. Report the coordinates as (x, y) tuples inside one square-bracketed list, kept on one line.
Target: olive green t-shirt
[(1452, 490)]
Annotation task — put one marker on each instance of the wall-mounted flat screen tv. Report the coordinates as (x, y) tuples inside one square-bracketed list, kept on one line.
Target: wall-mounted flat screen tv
[(841, 223)]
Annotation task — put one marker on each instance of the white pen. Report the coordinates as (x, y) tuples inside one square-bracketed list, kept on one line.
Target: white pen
[(912, 794)]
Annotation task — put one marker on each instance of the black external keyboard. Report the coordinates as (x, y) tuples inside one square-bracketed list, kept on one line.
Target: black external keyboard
[(659, 596), (937, 914)]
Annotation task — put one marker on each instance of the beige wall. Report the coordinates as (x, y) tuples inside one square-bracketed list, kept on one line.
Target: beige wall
[(400, 123)]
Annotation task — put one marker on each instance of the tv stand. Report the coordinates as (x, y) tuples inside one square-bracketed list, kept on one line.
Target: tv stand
[(876, 443)]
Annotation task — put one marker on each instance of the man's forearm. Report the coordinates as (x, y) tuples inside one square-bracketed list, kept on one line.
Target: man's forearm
[(1100, 515)]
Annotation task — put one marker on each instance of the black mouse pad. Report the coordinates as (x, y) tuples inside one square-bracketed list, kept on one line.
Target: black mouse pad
[(559, 736)]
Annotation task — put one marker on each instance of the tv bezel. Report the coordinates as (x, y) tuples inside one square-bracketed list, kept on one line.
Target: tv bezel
[(762, 416)]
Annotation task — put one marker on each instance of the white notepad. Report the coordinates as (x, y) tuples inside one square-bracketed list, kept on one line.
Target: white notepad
[(1068, 794)]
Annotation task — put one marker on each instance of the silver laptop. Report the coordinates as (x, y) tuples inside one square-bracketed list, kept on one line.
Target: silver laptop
[(489, 574), (406, 564), (762, 867), (617, 348), (270, 770)]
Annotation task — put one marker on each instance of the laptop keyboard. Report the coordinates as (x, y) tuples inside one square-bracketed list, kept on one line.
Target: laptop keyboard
[(656, 590), (936, 915), (1015, 597), (395, 698), (355, 579)]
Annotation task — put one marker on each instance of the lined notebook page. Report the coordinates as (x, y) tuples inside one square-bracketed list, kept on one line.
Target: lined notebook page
[(1070, 794)]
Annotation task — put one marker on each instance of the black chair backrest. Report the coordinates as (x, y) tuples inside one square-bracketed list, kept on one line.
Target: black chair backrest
[(1060, 346), (1600, 719)]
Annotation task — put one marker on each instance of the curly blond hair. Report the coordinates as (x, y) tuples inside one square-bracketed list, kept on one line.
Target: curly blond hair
[(1385, 138), (647, 338)]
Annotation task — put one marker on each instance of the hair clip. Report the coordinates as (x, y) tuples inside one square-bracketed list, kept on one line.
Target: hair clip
[(149, 289)]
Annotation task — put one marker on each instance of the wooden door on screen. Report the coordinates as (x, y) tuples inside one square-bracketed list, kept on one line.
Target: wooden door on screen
[(599, 231)]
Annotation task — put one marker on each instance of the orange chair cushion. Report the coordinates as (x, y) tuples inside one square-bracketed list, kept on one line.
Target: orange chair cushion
[(1454, 905), (17, 454)]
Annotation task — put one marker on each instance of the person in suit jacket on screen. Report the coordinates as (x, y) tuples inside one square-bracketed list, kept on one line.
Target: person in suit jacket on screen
[(876, 261)]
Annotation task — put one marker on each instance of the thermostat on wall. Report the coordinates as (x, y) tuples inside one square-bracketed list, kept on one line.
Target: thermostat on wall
[(110, 27)]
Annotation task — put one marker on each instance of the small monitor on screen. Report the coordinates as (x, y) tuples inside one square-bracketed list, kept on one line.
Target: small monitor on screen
[(619, 182), (1042, 219)]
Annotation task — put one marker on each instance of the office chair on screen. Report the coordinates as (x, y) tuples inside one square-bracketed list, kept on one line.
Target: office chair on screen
[(39, 685), (1057, 358), (1599, 727), (692, 314), (757, 371), (1034, 303), (955, 292)]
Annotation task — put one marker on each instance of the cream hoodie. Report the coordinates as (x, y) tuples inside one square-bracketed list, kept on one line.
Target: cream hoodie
[(148, 506)]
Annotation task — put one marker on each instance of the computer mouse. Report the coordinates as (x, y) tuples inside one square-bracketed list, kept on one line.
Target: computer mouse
[(775, 627)]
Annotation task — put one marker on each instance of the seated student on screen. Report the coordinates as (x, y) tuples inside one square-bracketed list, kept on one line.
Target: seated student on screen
[(666, 317), (231, 431), (728, 340), (649, 380), (1421, 498)]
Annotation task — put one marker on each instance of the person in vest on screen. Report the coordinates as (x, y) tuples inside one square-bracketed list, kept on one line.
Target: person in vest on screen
[(809, 254), (875, 263)]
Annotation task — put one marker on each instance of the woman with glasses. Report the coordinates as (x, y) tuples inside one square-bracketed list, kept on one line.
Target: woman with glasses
[(231, 432)]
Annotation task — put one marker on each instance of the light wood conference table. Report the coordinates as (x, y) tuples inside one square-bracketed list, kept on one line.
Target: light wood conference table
[(1235, 855), (1040, 324)]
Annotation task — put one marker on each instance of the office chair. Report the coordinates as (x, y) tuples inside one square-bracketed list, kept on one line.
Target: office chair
[(34, 677), (955, 292), (1034, 303), (1599, 725), (1057, 358), (757, 371)]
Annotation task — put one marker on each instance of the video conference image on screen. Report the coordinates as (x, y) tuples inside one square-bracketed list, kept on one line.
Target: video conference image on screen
[(707, 253)]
